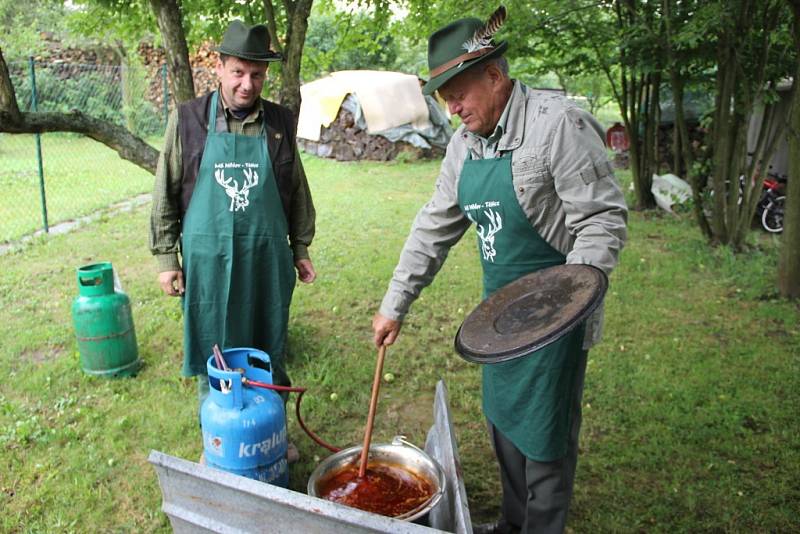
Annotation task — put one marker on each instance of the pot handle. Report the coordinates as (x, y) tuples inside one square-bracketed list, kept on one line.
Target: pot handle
[(401, 440)]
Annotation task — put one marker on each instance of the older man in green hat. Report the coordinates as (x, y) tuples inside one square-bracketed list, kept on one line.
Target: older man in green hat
[(530, 170), (230, 188)]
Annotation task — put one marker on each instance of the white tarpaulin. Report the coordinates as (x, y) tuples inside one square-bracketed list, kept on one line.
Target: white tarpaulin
[(387, 99), (669, 189)]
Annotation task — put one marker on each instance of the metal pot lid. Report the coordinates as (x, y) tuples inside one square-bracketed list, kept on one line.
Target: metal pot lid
[(530, 313)]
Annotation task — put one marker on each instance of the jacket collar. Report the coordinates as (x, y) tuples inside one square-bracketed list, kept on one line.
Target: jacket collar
[(515, 125)]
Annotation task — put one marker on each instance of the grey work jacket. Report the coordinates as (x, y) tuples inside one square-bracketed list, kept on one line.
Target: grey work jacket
[(563, 182)]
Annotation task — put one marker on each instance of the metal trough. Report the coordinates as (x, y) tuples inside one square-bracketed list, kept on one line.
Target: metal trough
[(197, 498)]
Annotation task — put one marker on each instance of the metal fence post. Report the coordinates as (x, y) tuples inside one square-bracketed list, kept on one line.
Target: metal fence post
[(34, 107), (166, 93)]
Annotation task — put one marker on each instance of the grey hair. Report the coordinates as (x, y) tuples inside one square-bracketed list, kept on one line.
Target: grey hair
[(502, 64)]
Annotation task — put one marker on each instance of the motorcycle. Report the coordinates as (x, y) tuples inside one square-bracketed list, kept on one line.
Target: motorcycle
[(770, 207), (771, 204)]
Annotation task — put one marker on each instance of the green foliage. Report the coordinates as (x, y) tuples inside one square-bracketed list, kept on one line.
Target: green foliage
[(141, 117), (412, 53), (114, 21), (130, 21), (338, 40), (114, 94), (23, 26), (92, 91)]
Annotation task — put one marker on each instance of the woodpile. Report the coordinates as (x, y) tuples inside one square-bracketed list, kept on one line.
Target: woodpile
[(55, 53), (153, 58), (343, 140), (203, 61)]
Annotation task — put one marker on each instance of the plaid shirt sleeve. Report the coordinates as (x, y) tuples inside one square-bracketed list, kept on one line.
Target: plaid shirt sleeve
[(165, 227), (302, 214)]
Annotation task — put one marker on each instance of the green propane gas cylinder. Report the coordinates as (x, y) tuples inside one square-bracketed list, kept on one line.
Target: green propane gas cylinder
[(104, 324)]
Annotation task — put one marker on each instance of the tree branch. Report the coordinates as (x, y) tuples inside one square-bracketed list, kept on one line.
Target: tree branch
[(120, 139), (272, 26)]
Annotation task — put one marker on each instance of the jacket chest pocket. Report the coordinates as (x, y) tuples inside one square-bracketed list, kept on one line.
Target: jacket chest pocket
[(529, 167), (533, 185), (531, 174)]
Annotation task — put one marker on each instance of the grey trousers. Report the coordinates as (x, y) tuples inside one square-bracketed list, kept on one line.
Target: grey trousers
[(536, 495)]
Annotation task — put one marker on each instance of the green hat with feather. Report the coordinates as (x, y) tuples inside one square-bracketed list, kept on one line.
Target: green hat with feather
[(460, 45)]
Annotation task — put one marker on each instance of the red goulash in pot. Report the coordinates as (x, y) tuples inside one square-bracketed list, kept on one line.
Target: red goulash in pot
[(386, 489)]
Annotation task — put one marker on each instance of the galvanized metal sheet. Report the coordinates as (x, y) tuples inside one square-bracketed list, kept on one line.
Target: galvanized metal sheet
[(202, 499), (530, 313), (452, 512)]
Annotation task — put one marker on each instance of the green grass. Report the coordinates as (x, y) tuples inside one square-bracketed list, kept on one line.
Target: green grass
[(80, 176), (690, 402)]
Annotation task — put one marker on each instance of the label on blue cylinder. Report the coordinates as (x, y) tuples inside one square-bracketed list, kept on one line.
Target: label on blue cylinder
[(264, 447), (213, 444)]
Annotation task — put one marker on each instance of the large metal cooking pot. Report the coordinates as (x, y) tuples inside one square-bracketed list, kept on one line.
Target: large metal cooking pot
[(398, 452)]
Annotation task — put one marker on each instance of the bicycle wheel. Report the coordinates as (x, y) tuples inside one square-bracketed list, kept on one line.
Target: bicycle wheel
[(772, 216)]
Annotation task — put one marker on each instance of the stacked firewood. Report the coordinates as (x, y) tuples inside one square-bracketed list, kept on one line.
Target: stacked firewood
[(202, 60), (56, 53), (153, 59), (343, 140)]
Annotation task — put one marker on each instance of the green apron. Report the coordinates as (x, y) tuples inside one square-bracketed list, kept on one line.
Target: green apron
[(237, 263), (529, 398)]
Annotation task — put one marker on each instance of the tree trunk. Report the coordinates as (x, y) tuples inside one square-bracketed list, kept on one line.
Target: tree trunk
[(116, 137), (297, 13), (683, 149), (789, 264), (649, 141), (736, 183), (8, 99), (170, 25), (640, 93), (682, 132), (297, 26), (633, 102)]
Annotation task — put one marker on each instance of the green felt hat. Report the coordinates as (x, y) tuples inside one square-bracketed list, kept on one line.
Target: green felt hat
[(460, 45), (247, 42)]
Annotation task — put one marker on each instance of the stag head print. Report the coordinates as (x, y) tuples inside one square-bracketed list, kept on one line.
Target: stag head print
[(487, 233), (239, 196)]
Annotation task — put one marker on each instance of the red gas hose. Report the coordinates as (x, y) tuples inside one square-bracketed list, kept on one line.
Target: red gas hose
[(246, 381)]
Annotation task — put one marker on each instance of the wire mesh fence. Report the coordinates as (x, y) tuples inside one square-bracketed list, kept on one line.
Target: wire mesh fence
[(56, 177)]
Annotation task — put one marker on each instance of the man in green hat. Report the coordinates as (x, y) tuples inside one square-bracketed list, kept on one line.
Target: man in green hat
[(229, 189), (530, 170)]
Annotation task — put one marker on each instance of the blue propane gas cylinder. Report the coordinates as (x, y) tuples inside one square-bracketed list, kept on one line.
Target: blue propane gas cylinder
[(244, 428)]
